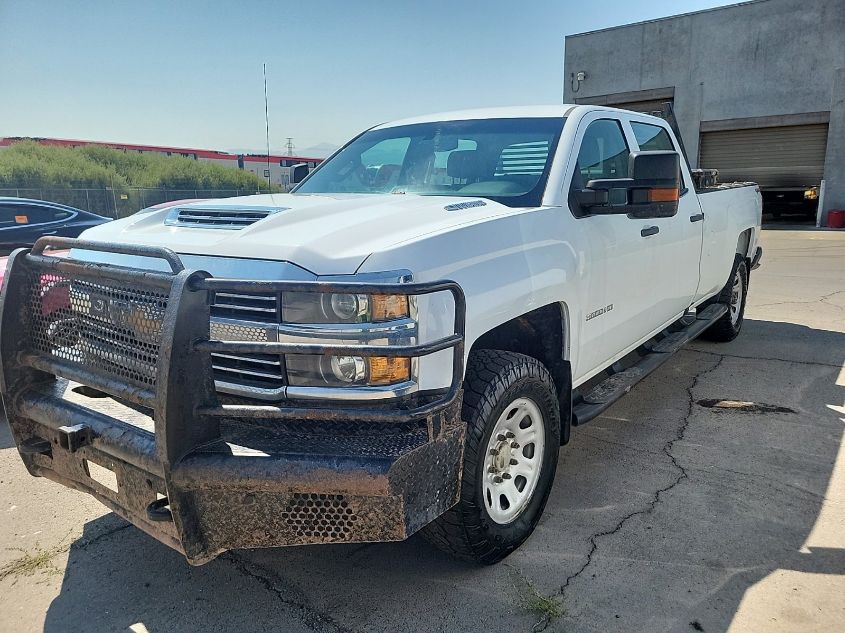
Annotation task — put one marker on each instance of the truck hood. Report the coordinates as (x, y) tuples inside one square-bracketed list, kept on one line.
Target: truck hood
[(325, 234)]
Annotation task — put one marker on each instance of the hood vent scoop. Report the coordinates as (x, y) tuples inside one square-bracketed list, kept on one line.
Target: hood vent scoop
[(218, 217)]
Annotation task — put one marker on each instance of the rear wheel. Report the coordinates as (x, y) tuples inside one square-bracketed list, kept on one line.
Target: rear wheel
[(510, 457), (733, 296)]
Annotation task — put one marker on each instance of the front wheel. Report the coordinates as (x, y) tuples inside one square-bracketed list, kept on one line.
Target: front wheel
[(733, 296), (510, 457)]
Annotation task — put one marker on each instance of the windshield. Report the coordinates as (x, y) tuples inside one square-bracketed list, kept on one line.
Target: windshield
[(506, 160)]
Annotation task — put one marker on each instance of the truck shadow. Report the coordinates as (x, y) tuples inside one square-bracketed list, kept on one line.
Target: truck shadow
[(6, 440), (691, 558)]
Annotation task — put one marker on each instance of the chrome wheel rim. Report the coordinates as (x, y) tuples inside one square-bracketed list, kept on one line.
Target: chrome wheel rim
[(513, 460), (736, 298)]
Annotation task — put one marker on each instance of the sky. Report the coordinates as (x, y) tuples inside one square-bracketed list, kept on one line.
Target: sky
[(189, 74)]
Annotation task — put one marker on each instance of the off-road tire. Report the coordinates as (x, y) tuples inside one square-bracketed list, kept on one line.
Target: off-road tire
[(728, 327), (494, 380)]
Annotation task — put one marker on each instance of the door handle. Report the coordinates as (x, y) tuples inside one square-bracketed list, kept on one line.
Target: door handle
[(698, 217), (650, 230)]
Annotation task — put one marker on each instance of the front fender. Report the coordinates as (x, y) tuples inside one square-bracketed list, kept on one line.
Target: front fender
[(507, 266)]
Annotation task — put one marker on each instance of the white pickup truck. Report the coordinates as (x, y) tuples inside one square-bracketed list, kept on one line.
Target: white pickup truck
[(403, 342)]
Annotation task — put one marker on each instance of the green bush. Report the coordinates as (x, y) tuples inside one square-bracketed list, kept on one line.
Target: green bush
[(30, 165)]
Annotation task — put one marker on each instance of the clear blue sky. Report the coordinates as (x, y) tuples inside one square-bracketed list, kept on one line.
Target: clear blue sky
[(189, 73)]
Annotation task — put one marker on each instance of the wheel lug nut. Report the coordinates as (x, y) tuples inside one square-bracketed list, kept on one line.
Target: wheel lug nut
[(494, 451), (513, 462), (491, 469), (509, 435), (497, 479), (501, 437), (506, 475), (514, 444)]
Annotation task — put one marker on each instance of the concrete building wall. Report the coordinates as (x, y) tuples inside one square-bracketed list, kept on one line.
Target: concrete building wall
[(767, 58)]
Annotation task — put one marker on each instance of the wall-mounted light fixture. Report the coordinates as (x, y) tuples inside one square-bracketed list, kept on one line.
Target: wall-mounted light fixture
[(575, 80)]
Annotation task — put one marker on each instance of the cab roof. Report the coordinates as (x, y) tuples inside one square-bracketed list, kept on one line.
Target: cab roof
[(510, 112)]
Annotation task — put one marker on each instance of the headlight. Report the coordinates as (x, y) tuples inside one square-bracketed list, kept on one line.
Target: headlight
[(346, 371), (318, 307)]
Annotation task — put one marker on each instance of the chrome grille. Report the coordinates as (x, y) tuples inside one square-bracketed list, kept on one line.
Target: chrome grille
[(252, 307), (239, 317), (261, 374)]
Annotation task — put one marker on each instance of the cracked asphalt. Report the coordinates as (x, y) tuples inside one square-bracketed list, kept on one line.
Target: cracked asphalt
[(666, 515)]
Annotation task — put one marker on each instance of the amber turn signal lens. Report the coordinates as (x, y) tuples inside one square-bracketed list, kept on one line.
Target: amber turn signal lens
[(387, 371), (663, 195), (389, 307)]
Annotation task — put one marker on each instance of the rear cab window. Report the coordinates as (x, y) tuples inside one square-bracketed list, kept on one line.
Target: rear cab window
[(652, 138)]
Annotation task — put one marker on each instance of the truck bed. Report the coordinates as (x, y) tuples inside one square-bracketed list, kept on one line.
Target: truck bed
[(723, 186)]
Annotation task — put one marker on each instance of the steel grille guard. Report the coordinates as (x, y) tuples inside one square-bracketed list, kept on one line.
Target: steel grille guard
[(188, 415)]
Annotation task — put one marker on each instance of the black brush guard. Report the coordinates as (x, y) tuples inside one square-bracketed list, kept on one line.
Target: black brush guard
[(199, 471)]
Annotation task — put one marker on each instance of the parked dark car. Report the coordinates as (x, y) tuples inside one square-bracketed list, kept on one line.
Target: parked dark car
[(22, 221), (64, 253)]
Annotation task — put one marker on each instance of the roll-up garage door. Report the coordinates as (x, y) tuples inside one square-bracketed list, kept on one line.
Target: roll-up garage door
[(787, 156)]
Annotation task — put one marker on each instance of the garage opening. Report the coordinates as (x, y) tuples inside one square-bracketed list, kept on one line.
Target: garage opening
[(656, 107), (786, 161)]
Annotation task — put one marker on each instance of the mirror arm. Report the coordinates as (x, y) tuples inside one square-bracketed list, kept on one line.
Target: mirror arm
[(590, 198)]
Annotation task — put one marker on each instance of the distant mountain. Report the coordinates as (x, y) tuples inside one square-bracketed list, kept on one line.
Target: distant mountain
[(321, 150)]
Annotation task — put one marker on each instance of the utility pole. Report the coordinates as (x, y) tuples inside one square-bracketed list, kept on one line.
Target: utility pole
[(267, 126), (290, 146)]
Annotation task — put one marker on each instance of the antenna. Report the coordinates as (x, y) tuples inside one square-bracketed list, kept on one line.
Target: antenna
[(267, 125)]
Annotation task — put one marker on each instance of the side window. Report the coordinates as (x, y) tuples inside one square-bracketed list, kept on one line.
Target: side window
[(11, 216), (22, 215), (651, 137), (604, 152)]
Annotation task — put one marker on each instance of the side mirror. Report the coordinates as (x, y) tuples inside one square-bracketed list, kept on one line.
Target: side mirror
[(298, 173), (652, 188), (657, 183)]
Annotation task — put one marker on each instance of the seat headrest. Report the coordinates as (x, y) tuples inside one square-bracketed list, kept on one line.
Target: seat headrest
[(464, 164)]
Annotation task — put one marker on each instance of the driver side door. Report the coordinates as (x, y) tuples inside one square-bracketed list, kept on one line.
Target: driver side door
[(616, 294)]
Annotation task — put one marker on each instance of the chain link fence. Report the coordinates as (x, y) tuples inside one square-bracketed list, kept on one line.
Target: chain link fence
[(118, 203)]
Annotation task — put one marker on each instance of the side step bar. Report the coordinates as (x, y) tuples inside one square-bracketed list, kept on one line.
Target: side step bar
[(603, 395)]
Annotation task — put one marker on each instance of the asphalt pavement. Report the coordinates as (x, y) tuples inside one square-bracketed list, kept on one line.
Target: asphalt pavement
[(711, 498)]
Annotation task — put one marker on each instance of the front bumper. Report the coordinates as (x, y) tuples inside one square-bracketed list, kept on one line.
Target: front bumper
[(204, 475)]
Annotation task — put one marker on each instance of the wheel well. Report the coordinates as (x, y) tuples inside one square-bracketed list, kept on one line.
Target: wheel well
[(744, 243), (540, 334)]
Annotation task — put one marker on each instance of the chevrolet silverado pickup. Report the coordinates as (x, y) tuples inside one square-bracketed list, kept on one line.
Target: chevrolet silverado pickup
[(403, 343)]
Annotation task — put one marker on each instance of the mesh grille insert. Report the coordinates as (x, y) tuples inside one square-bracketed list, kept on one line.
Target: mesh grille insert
[(112, 329), (319, 515)]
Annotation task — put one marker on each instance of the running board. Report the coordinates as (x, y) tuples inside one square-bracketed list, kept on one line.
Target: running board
[(603, 395)]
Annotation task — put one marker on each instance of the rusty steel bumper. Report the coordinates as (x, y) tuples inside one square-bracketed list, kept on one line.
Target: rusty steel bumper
[(202, 472)]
